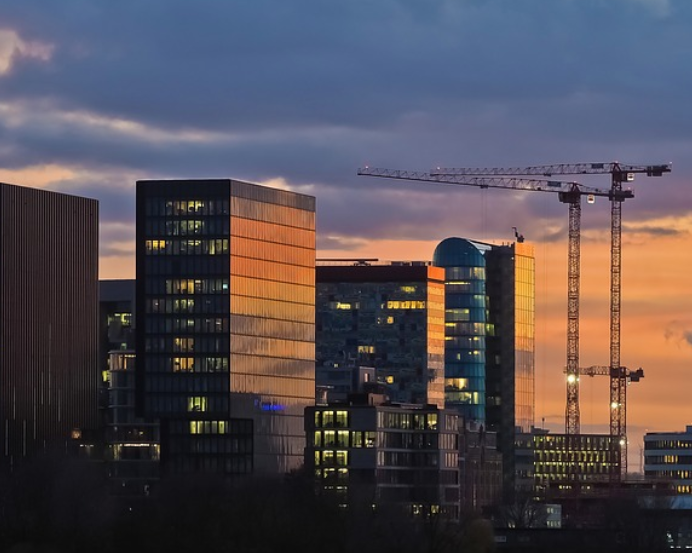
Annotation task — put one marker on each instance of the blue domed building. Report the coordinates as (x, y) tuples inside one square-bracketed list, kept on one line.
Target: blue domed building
[(466, 325)]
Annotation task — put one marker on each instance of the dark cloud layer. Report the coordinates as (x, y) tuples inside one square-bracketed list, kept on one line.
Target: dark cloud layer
[(308, 91)]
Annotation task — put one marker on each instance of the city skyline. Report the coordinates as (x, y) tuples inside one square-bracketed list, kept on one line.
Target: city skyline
[(300, 96)]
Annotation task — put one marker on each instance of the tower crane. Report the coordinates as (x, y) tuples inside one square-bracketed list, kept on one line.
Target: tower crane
[(569, 193), (619, 376)]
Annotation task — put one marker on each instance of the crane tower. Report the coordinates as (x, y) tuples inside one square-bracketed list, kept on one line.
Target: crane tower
[(569, 193), (619, 376)]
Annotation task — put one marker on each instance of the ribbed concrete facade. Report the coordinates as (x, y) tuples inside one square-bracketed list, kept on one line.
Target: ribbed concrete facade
[(48, 320)]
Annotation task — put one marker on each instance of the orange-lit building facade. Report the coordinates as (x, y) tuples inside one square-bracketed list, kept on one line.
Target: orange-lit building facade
[(48, 321), (510, 350), (225, 313)]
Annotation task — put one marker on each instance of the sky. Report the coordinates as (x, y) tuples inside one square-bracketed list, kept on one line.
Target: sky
[(96, 94)]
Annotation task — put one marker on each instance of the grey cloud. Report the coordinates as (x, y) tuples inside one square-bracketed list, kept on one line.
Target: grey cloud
[(225, 65), (308, 91), (679, 332)]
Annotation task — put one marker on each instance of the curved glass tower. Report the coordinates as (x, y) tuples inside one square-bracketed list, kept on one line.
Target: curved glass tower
[(465, 326)]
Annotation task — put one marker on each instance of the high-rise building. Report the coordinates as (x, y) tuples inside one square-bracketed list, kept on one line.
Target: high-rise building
[(510, 349), (489, 353), (225, 312), (48, 320), (131, 446), (384, 315), (466, 326)]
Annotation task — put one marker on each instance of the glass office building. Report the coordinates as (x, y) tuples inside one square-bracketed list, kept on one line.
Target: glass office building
[(225, 314), (466, 326), (384, 315), (510, 352)]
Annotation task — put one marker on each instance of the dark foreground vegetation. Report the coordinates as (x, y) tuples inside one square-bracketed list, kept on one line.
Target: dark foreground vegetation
[(62, 505), (57, 506)]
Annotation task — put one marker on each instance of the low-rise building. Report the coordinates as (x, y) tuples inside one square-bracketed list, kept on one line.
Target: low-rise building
[(131, 444), (668, 457), (385, 455)]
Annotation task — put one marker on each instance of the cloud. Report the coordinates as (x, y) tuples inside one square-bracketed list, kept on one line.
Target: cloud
[(14, 49), (679, 333), (299, 95)]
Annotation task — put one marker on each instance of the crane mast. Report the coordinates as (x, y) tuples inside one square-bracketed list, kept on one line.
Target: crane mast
[(569, 193), (619, 377)]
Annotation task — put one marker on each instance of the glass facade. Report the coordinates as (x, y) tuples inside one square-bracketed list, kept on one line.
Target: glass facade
[(466, 326), (524, 337), (511, 349), (510, 360), (225, 322), (389, 317)]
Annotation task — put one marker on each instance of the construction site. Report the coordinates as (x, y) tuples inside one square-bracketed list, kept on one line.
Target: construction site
[(571, 462)]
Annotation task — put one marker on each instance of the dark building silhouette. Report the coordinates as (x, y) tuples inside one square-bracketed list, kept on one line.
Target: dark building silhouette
[(225, 313), (48, 321)]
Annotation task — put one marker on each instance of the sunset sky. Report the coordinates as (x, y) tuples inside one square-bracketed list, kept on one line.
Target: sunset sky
[(95, 94)]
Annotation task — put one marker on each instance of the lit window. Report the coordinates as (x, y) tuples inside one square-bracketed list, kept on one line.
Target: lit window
[(197, 403)]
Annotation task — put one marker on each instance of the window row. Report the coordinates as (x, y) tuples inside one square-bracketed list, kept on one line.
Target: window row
[(177, 387), (261, 211), (186, 265), (209, 304), (288, 330), (270, 309), (275, 367), (159, 207), (407, 459), (195, 364), (189, 325), (273, 251), (344, 438), (282, 385), (331, 419), (270, 270), (210, 226), (331, 458), (237, 427), (181, 462), (274, 347), (271, 232), (272, 290), (211, 246), (186, 344), (190, 286), (417, 421)]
